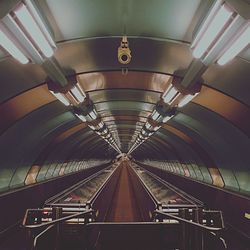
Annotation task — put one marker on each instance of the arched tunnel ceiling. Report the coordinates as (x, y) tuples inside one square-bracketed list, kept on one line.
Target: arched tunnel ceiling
[(36, 129)]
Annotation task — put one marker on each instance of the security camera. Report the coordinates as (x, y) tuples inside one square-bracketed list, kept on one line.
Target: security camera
[(124, 52)]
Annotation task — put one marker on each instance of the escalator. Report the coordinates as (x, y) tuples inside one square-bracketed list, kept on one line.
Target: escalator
[(124, 207)]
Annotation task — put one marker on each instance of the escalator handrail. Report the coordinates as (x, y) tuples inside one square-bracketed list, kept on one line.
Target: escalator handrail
[(63, 193), (94, 197), (155, 201), (41, 234)]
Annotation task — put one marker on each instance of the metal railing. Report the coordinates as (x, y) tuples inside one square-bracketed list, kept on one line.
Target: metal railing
[(214, 231), (49, 225)]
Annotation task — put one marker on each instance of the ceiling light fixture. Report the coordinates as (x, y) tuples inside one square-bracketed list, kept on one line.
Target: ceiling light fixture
[(169, 94), (10, 47), (78, 93), (35, 13), (186, 99), (215, 22), (30, 25), (167, 118), (25, 27), (238, 45), (72, 92), (61, 98), (81, 117)]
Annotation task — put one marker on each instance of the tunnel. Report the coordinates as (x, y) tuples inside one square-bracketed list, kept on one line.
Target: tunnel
[(125, 124)]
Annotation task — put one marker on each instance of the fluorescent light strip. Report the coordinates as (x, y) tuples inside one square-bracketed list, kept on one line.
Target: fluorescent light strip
[(34, 12), (148, 125), (92, 127), (77, 94), (216, 25), (155, 115), (167, 118), (100, 124), (32, 28), (93, 115), (81, 117), (239, 44), (61, 98), (204, 25), (186, 99), (167, 96), (8, 45)]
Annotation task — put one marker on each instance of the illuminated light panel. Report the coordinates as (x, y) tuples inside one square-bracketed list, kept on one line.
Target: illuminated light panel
[(93, 115), (61, 98), (186, 99), (40, 22), (100, 124), (8, 45), (155, 115), (205, 24), (239, 44), (81, 117), (92, 127), (32, 28), (169, 94), (217, 24), (77, 94), (167, 118)]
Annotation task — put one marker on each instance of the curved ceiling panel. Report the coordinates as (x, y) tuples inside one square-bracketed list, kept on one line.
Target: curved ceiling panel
[(137, 21), (16, 78), (124, 94), (164, 56), (116, 80), (228, 107), (235, 82), (23, 104)]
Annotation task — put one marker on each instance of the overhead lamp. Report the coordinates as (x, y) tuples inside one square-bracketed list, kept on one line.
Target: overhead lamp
[(10, 47), (186, 99), (74, 96), (238, 45), (155, 115), (30, 25), (108, 136), (105, 131), (25, 27), (61, 98), (78, 93), (166, 118), (169, 94), (93, 114), (32, 8), (100, 125), (91, 126), (148, 126), (216, 21), (141, 137), (151, 127), (81, 117), (87, 109)]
